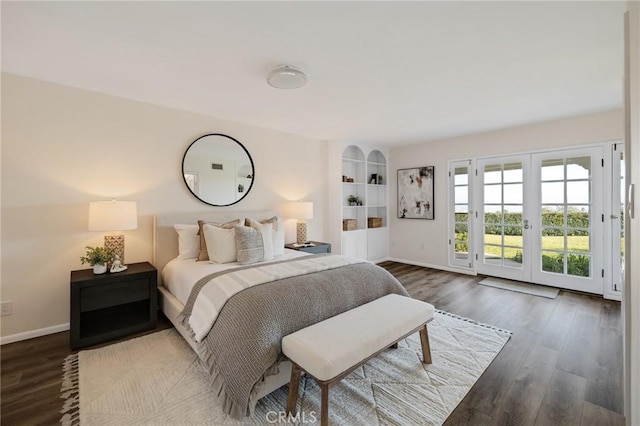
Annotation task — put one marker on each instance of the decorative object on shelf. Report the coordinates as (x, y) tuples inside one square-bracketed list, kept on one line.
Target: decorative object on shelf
[(301, 210), (374, 179), (97, 257), (374, 222), (117, 266), (214, 166), (354, 200), (415, 193), (113, 216), (286, 77), (380, 179), (349, 224)]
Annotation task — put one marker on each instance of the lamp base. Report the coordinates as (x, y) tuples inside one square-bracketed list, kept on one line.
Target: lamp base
[(301, 232), (115, 243)]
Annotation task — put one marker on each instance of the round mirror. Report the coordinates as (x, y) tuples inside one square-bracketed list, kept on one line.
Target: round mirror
[(218, 170)]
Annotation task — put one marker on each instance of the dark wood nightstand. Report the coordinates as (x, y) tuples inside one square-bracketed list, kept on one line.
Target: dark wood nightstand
[(107, 306), (317, 247)]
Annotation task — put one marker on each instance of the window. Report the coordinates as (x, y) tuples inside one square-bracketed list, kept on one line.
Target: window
[(460, 219)]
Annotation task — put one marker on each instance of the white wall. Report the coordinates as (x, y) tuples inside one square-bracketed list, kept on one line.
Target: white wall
[(63, 147), (426, 241)]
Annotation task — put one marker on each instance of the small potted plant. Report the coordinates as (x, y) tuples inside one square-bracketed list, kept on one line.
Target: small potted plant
[(354, 200), (97, 257)]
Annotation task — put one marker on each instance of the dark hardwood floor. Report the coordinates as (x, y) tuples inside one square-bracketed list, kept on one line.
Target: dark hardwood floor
[(562, 366)]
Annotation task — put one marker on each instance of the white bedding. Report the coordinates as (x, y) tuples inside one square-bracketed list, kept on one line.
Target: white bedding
[(180, 275)]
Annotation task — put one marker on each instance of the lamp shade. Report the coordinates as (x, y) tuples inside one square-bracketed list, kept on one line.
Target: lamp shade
[(301, 210), (113, 215)]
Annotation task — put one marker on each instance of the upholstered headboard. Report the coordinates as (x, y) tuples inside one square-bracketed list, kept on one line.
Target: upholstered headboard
[(165, 238)]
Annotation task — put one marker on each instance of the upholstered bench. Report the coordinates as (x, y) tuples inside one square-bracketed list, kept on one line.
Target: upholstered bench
[(330, 350)]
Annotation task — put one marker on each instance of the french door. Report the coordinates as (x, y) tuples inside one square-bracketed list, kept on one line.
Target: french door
[(540, 218)]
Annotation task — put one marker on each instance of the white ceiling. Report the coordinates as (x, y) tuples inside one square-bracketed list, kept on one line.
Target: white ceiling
[(380, 72)]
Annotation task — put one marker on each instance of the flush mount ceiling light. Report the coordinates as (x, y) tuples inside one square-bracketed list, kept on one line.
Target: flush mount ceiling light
[(286, 77)]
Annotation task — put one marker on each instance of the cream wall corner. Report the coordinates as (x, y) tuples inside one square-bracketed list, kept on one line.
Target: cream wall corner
[(64, 147)]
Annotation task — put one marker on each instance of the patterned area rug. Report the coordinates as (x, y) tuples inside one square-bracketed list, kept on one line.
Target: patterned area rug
[(157, 379)]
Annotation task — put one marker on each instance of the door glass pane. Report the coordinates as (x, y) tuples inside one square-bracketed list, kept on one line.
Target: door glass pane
[(578, 168), (513, 193), (492, 173), (513, 236), (512, 172), (462, 209), (566, 221), (463, 254), (461, 228), (553, 239), (513, 215), (462, 194), (493, 194), (493, 255), (552, 192), (578, 216), (492, 217), (553, 262), (578, 241), (494, 238), (552, 170), (552, 215), (578, 192), (459, 233), (461, 177), (579, 265)]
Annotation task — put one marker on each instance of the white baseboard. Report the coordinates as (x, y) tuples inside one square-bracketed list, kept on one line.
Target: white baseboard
[(34, 333), (440, 267)]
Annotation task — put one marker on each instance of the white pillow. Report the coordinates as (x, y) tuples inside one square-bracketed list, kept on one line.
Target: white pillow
[(204, 255), (221, 243), (266, 229), (188, 241), (277, 234)]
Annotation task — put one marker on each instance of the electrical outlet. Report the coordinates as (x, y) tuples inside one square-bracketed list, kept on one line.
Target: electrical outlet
[(5, 309)]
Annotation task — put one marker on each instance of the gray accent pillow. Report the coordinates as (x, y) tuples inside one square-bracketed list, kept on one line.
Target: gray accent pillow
[(249, 244), (277, 233)]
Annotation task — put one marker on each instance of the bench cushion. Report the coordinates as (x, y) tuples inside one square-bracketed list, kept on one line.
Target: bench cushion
[(334, 345)]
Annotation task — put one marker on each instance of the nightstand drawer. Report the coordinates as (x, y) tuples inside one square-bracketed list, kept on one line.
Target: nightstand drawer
[(114, 294)]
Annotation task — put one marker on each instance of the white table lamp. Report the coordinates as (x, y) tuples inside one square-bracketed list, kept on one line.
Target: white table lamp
[(114, 217), (301, 211)]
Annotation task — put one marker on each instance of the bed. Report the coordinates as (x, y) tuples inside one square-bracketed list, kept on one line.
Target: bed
[(321, 291)]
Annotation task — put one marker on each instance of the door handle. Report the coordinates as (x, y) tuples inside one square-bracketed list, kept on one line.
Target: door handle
[(630, 200), (526, 224)]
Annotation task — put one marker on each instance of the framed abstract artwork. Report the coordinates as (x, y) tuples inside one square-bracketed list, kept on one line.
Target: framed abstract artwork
[(415, 193)]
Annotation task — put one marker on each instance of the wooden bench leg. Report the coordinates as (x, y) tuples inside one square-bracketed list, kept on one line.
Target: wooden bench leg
[(324, 408), (426, 349), (292, 399)]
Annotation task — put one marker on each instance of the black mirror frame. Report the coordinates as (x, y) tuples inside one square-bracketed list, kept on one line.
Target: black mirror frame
[(253, 168)]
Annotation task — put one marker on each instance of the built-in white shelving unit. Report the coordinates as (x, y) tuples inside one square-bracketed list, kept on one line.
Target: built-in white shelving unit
[(364, 176)]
